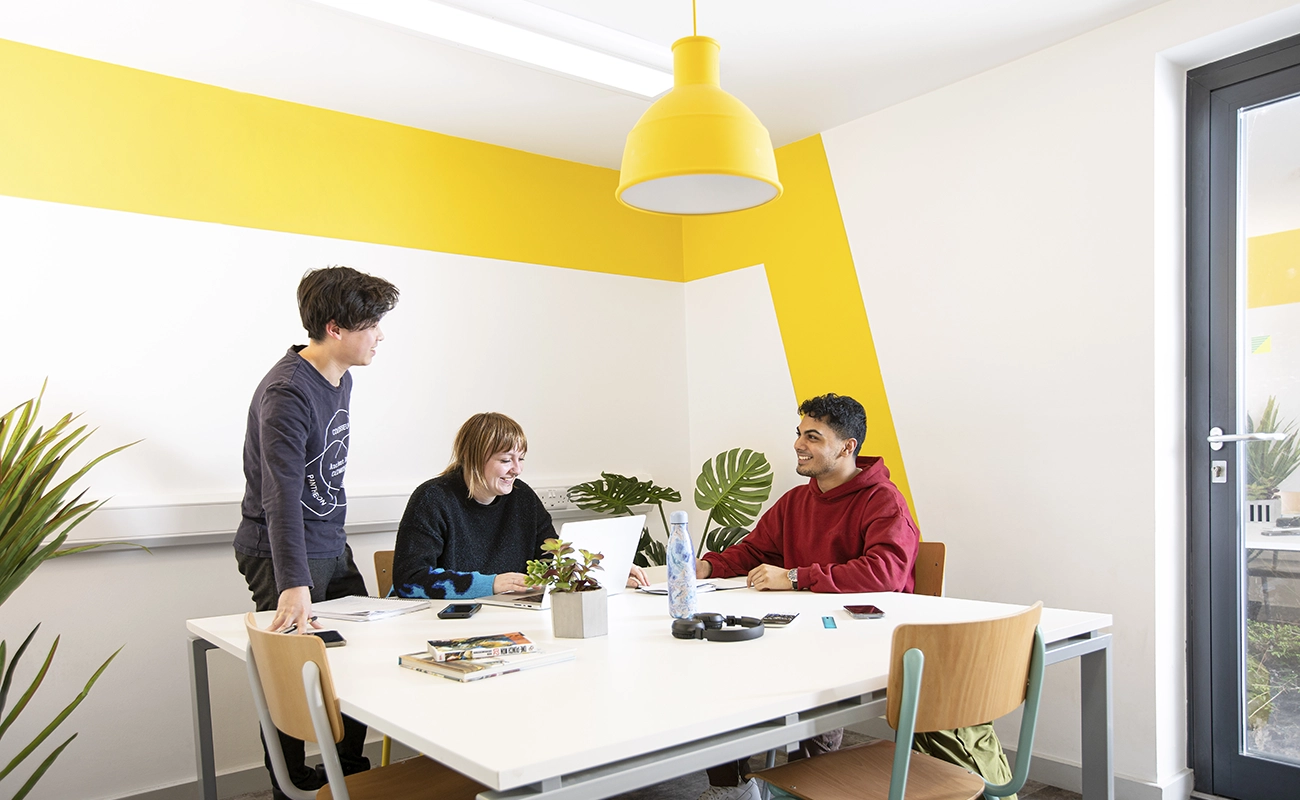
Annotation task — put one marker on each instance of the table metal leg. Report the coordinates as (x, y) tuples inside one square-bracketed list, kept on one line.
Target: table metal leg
[(201, 699), (1097, 725)]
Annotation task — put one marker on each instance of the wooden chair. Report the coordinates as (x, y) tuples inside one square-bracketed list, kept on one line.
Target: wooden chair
[(928, 570), (384, 571), (941, 676), (384, 580), (293, 690)]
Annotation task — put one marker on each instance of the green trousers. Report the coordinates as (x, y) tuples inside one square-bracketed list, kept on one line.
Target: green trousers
[(976, 748)]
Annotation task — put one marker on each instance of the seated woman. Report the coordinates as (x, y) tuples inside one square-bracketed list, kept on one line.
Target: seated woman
[(470, 531)]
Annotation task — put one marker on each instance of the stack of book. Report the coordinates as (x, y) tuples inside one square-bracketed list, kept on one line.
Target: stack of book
[(476, 657)]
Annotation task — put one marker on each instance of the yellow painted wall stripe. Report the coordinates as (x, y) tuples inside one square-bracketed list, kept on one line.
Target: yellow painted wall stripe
[(83, 132), (1274, 269), (801, 241)]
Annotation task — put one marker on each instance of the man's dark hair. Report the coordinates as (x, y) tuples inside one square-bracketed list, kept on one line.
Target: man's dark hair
[(845, 415), (353, 300)]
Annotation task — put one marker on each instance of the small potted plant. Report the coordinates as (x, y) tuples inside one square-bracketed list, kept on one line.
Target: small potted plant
[(579, 606)]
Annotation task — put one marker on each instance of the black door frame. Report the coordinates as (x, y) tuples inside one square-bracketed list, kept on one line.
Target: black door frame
[(1215, 93)]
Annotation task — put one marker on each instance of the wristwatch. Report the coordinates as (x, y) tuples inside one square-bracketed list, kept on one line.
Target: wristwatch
[(793, 576)]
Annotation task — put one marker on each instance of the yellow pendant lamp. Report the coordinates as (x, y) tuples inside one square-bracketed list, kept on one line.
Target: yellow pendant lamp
[(697, 149)]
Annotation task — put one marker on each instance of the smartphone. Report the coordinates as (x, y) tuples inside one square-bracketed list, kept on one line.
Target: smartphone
[(864, 612), (330, 638), (459, 610)]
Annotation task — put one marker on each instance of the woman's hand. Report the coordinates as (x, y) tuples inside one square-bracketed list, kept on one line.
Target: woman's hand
[(636, 578), (509, 582)]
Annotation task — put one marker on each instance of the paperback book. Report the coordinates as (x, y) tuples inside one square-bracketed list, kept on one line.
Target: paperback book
[(478, 668), (470, 647)]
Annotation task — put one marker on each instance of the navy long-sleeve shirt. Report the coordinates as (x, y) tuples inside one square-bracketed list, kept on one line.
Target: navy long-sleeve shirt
[(295, 456), (451, 546)]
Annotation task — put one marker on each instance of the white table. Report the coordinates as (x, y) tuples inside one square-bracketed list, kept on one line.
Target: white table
[(637, 706)]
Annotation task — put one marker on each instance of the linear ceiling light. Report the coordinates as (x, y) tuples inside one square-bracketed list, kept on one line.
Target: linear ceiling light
[(697, 149), (494, 37)]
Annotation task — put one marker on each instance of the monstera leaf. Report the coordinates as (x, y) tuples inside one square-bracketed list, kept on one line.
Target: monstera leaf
[(720, 539), (617, 494), (732, 488), (650, 552)]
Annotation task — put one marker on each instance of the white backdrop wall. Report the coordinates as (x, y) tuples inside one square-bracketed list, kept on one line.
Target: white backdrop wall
[(739, 382), (159, 329), (1018, 238)]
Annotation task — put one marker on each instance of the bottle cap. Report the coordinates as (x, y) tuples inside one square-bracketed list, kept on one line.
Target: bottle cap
[(677, 518)]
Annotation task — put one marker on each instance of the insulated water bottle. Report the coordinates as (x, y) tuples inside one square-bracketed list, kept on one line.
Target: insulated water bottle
[(681, 568)]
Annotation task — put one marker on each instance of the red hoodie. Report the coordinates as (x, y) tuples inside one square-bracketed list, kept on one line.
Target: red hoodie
[(858, 537)]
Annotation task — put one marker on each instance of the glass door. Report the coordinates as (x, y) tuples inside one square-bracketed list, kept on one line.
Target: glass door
[(1244, 424)]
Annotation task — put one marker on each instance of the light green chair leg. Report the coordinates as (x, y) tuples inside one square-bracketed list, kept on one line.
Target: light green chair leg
[(913, 668), (1028, 724)]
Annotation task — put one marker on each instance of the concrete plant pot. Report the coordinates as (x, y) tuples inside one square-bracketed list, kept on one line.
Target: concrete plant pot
[(580, 615)]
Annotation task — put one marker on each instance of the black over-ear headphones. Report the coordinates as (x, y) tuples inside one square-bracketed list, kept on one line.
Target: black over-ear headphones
[(712, 627)]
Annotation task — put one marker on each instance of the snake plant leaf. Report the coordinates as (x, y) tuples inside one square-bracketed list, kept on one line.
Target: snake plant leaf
[(9, 673), (720, 539), (63, 715), (733, 487), (45, 765), (31, 690), (35, 519), (1270, 463)]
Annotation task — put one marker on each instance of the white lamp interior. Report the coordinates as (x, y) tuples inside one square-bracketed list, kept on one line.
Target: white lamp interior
[(699, 194)]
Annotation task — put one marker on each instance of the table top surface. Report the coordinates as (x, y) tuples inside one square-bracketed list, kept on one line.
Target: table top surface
[(1255, 538), (631, 692)]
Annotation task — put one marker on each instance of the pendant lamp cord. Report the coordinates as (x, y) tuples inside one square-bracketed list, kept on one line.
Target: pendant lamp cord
[(695, 28)]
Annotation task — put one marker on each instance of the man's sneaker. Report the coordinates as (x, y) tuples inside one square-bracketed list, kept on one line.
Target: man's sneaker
[(746, 791)]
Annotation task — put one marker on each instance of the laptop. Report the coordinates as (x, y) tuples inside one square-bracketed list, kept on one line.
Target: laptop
[(614, 537)]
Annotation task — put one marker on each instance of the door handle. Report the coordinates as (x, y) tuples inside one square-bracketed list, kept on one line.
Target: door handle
[(1217, 437)]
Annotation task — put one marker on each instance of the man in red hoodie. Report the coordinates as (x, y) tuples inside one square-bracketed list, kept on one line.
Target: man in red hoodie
[(847, 530)]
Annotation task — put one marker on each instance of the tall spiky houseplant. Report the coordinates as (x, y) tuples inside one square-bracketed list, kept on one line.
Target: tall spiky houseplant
[(1270, 463), (34, 523)]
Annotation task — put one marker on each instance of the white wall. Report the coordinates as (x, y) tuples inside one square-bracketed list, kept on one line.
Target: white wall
[(160, 329), (738, 379), (1018, 240)]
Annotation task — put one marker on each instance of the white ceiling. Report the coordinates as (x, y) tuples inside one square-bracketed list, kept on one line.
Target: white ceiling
[(803, 67), (1272, 168)]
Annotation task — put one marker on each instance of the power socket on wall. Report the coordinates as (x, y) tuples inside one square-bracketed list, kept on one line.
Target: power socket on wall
[(555, 498)]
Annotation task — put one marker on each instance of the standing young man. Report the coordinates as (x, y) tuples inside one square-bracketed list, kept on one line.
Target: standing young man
[(290, 545)]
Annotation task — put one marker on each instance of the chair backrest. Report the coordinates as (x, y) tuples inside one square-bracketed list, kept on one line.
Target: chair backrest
[(279, 660), (928, 571), (974, 671), (384, 571)]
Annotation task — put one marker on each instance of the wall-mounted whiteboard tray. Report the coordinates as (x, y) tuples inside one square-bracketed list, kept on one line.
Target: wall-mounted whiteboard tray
[(215, 521)]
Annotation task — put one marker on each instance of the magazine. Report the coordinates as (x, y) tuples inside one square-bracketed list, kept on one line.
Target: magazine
[(464, 670), (468, 647)]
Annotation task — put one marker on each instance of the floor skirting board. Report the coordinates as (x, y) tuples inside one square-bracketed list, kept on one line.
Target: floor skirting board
[(251, 779)]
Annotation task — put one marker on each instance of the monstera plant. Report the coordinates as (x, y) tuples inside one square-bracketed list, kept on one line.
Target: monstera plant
[(616, 494), (34, 523), (732, 487)]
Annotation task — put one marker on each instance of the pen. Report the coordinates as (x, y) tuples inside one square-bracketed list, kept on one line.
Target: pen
[(294, 626)]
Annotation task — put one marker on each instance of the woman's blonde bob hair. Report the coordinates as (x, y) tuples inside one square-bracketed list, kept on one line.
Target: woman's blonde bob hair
[(481, 437)]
